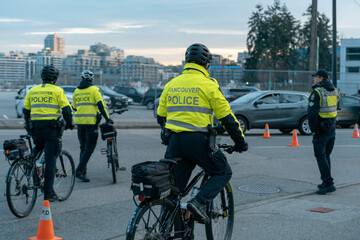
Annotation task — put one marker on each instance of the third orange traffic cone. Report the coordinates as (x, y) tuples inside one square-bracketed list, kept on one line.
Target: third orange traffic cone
[(294, 141), (266, 132), (356, 131), (45, 230)]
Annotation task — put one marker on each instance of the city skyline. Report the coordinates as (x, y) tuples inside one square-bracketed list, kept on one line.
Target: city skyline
[(159, 29)]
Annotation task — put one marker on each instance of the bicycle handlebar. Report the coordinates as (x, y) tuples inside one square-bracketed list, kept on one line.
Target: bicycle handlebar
[(227, 148), (120, 111)]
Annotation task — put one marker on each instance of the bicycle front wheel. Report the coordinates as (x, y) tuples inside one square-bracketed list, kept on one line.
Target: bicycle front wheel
[(21, 190), (64, 176), (221, 212), (111, 159), (151, 221)]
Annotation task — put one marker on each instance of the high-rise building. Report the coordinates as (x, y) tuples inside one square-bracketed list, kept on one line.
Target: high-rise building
[(55, 42)]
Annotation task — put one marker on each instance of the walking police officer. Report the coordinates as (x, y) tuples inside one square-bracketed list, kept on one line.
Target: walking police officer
[(186, 112), (41, 112), (87, 102), (322, 112)]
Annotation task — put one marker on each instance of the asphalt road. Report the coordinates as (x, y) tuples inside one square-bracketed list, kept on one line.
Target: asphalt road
[(101, 210)]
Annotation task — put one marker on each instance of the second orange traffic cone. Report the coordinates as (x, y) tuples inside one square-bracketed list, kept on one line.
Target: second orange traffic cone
[(45, 230), (267, 132), (356, 131), (294, 141)]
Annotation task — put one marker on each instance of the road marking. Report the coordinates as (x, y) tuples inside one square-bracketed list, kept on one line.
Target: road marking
[(336, 146)]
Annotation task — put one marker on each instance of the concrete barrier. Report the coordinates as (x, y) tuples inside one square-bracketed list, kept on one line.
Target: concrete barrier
[(118, 123)]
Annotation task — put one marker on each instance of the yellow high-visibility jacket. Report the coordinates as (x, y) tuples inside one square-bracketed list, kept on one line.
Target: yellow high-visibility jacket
[(85, 102), (45, 101), (189, 101)]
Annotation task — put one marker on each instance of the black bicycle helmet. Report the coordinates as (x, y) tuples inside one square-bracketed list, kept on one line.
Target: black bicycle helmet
[(198, 53), (49, 73), (87, 75)]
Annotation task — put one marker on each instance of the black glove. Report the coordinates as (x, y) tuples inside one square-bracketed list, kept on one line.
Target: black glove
[(28, 127), (69, 126), (241, 148), (109, 121)]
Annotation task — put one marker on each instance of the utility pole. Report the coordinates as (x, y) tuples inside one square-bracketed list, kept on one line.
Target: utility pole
[(313, 37), (334, 47)]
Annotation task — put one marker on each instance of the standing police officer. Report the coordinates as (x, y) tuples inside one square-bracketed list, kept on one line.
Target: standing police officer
[(186, 111), (87, 102), (41, 112), (322, 112)]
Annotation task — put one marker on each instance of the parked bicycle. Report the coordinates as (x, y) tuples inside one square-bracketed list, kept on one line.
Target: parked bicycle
[(161, 217), (109, 133), (26, 175)]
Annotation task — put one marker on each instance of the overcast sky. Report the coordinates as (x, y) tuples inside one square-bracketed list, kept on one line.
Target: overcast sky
[(161, 29)]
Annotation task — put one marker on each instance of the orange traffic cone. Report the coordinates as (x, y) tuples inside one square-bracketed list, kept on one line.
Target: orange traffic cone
[(294, 141), (45, 230), (356, 131), (267, 132)]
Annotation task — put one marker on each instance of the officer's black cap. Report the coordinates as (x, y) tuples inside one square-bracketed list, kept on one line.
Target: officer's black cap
[(321, 73)]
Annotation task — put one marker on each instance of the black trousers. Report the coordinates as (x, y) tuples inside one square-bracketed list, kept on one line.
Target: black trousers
[(323, 143), (192, 148), (49, 140), (87, 136)]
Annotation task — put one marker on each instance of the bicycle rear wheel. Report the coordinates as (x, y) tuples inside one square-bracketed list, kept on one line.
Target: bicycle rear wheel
[(21, 189), (221, 212), (111, 159), (64, 176), (149, 221)]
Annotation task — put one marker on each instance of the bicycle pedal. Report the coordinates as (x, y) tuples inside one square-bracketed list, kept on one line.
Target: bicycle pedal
[(122, 169), (103, 151)]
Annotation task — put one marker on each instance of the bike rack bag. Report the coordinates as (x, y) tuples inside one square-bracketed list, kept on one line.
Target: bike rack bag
[(15, 148), (107, 131), (151, 179)]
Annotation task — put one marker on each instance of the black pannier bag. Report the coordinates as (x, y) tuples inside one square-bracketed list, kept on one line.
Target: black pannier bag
[(151, 179), (15, 148), (107, 131)]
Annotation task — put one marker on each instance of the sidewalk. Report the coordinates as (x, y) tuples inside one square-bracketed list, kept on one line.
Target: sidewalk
[(18, 123), (295, 217)]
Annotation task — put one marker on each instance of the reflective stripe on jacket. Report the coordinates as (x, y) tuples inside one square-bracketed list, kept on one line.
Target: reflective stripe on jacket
[(189, 100), (328, 102), (45, 101), (85, 102)]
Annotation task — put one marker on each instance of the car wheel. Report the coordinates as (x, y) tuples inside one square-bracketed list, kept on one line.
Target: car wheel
[(286, 130), (150, 105), (243, 123), (304, 127)]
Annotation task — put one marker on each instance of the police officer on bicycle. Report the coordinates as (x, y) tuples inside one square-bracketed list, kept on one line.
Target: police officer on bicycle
[(87, 102), (322, 112), (185, 113), (42, 112)]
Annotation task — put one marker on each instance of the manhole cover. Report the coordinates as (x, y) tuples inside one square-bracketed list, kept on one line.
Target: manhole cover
[(258, 189)]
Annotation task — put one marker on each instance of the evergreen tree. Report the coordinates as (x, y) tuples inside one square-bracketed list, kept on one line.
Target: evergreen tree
[(324, 33)]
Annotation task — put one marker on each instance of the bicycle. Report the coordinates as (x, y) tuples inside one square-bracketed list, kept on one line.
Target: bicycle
[(25, 177), (168, 218), (108, 133)]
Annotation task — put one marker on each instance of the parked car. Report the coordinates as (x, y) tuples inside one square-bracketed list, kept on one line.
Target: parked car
[(349, 111), (135, 93), (149, 97), (20, 98), (117, 100), (69, 92), (283, 110), (233, 93)]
